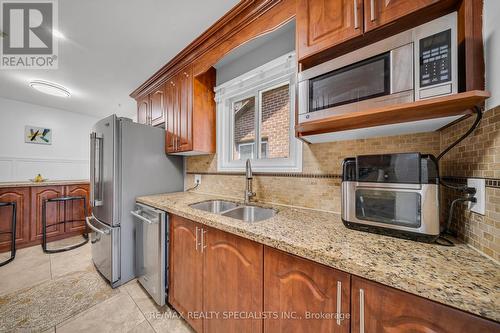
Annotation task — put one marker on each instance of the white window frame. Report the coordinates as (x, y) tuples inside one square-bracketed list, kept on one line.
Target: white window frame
[(271, 75)]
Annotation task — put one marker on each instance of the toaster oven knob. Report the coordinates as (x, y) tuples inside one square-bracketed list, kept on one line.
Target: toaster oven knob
[(307, 116)]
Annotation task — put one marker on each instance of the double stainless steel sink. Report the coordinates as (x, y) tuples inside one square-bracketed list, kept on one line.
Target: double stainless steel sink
[(235, 211)]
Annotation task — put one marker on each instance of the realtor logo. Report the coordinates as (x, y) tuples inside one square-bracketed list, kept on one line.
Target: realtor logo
[(28, 40)]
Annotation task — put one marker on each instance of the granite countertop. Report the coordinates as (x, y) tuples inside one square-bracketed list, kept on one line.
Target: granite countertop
[(44, 183), (457, 276)]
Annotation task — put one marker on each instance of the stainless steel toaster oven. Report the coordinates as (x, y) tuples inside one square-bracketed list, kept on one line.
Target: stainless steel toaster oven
[(394, 194)]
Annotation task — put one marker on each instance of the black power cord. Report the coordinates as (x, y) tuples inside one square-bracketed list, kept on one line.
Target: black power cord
[(479, 115), (470, 191)]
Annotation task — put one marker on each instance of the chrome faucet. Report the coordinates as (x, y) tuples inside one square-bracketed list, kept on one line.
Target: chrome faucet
[(248, 187)]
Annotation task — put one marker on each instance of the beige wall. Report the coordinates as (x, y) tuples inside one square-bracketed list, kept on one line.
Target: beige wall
[(318, 186), (476, 156)]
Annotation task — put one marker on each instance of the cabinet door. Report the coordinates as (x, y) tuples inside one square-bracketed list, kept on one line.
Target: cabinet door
[(21, 196), (158, 106), (325, 23), (377, 308), (171, 110), (233, 268), (186, 270), (185, 121), (54, 211), (295, 287), (143, 110), (380, 12), (75, 209)]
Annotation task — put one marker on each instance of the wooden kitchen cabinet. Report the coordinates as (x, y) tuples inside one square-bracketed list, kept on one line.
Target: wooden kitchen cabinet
[(75, 209), (186, 270), (21, 196), (157, 101), (232, 277), (376, 308), (381, 12), (212, 271), (324, 23), (55, 212), (143, 110), (151, 108), (293, 285), (190, 113)]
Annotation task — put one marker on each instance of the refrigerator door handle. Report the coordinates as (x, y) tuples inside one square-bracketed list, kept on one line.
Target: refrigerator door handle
[(92, 167), (91, 226), (96, 140)]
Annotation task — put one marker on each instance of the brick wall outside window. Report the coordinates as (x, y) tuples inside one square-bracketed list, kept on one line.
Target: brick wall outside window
[(275, 122)]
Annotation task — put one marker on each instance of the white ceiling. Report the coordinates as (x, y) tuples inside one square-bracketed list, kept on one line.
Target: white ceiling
[(111, 47)]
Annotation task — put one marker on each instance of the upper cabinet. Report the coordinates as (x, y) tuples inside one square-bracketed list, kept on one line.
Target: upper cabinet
[(157, 100), (324, 23), (381, 12), (190, 113), (143, 110), (184, 105)]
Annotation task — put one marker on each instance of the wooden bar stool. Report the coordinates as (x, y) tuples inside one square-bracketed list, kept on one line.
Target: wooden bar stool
[(64, 200), (12, 232)]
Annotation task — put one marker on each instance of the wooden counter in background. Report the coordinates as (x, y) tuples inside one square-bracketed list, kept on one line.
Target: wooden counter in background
[(29, 197)]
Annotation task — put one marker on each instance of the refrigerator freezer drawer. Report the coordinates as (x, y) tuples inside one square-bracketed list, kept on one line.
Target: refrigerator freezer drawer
[(105, 247), (151, 259)]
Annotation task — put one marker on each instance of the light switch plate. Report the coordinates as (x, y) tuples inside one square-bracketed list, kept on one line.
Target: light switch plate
[(197, 179), (480, 186)]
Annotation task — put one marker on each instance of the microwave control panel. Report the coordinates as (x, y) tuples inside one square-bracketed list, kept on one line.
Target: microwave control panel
[(435, 59)]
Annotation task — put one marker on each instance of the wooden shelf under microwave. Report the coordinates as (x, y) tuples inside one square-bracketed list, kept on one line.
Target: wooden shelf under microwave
[(446, 106)]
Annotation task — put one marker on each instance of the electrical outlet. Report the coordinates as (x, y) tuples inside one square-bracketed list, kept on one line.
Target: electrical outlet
[(480, 185), (197, 179)]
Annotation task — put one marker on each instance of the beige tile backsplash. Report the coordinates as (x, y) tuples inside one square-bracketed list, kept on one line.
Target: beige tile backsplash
[(478, 156)]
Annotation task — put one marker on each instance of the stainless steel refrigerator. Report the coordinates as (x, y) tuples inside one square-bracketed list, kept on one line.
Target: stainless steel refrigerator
[(126, 160)]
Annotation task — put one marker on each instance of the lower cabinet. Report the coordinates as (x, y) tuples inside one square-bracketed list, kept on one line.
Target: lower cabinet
[(232, 282), (29, 213), (21, 196), (377, 308), (220, 282), (306, 296), (215, 278), (186, 270), (54, 213)]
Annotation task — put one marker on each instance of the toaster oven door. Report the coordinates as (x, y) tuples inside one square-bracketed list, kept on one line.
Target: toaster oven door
[(405, 207), (399, 208)]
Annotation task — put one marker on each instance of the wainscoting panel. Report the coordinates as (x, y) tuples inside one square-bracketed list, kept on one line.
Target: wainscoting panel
[(19, 169)]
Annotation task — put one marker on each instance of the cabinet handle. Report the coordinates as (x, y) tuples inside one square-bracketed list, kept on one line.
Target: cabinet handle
[(356, 23), (203, 246), (372, 10), (361, 311), (196, 239), (339, 301), (186, 74)]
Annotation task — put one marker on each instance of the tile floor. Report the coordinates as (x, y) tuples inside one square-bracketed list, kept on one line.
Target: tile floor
[(130, 310)]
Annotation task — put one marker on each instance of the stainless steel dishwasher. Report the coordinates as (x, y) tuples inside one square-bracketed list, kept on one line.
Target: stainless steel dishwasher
[(151, 236)]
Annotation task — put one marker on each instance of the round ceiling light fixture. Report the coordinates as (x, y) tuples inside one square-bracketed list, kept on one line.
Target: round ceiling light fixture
[(50, 88)]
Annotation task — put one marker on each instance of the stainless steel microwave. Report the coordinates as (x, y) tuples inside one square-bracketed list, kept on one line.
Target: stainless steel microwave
[(416, 64)]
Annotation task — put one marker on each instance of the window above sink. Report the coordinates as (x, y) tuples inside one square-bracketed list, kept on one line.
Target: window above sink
[(256, 119)]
